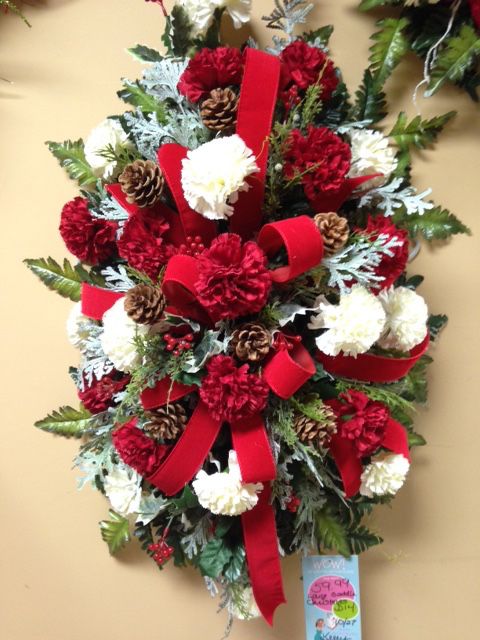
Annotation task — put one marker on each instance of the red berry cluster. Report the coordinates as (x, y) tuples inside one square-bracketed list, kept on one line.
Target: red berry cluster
[(284, 341), (162, 552), (193, 246), (178, 344), (293, 503)]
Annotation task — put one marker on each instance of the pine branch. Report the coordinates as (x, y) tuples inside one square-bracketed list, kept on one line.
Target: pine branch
[(453, 62), (67, 422), (419, 133), (115, 532), (71, 157)]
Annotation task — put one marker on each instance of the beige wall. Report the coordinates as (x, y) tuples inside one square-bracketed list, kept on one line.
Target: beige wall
[(58, 581)]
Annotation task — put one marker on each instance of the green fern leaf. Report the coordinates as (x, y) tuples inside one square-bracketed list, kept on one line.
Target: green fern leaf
[(370, 103), (419, 133), (455, 59), (133, 93), (434, 224), (145, 54), (416, 440), (435, 325), (65, 280), (115, 532), (331, 533), (362, 539), (366, 5), (71, 157), (67, 422), (390, 45)]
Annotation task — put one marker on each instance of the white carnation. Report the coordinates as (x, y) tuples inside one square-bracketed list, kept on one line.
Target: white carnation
[(371, 154), (78, 326), (384, 476), (354, 325), (239, 11), (407, 316), (109, 133), (245, 607), (117, 339), (201, 12), (225, 493), (122, 488), (214, 174)]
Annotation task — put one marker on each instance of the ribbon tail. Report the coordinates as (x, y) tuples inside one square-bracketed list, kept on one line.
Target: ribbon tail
[(261, 547), (253, 450), (396, 439), (350, 467), (188, 455)]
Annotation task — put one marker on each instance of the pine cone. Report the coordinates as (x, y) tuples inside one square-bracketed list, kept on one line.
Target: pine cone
[(166, 423), (142, 182), (334, 230), (145, 304), (251, 342), (219, 110), (317, 434)]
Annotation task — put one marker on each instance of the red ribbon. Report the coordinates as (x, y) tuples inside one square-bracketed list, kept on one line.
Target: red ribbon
[(326, 203), (96, 301), (350, 467), (367, 367)]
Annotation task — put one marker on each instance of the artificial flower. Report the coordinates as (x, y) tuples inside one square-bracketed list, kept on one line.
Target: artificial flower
[(214, 174), (303, 66), (245, 606), (231, 393), (384, 476), (117, 339), (91, 240), (475, 11), (354, 325), (78, 326), (143, 245), (99, 396), (407, 317), (321, 158), (138, 450), (107, 136), (233, 279), (211, 69), (361, 420), (239, 11), (393, 263), (371, 153), (225, 493), (201, 13), (122, 488)]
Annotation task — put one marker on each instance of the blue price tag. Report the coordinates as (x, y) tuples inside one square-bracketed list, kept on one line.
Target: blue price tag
[(332, 598)]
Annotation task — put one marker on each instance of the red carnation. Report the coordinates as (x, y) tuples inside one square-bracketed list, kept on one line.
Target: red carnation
[(475, 11), (232, 393), (142, 243), (321, 157), (233, 278), (392, 266), (99, 396), (211, 69), (138, 450), (302, 67), (362, 420), (91, 240)]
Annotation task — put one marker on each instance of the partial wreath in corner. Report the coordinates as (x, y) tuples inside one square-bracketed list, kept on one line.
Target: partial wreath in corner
[(445, 34), (251, 347)]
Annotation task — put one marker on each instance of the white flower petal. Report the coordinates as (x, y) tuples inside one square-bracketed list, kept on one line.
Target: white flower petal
[(385, 475), (108, 133), (117, 339), (371, 154), (407, 316), (122, 488)]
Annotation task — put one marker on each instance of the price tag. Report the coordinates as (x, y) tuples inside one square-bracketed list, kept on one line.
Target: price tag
[(332, 598)]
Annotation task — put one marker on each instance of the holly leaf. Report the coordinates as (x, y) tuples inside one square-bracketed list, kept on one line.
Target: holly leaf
[(455, 59), (370, 100), (433, 224), (415, 439), (332, 533), (67, 422), (389, 46), (71, 157), (320, 36), (65, 280), (362, 539), (133, 93), (234, 569), (435, 324), (178, 33), (115, 532), (418, 133), (213, 558), (188, 500), (145, 54)]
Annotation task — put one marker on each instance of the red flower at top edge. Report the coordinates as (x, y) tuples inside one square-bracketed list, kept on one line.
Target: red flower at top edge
[(211, 69)]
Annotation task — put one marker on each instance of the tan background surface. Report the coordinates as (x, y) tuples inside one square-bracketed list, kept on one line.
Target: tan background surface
[(58, 581)]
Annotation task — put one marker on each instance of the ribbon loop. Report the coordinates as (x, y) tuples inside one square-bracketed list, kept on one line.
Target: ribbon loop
[(178, 287), (96, 301), (287, 370), (301, 239)]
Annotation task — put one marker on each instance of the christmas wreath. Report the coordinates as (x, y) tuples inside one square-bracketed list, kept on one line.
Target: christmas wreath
[(445, 34), (251, 347)]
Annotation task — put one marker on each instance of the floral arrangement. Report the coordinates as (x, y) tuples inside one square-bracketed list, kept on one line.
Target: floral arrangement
[(444, 33), (251, 347)]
